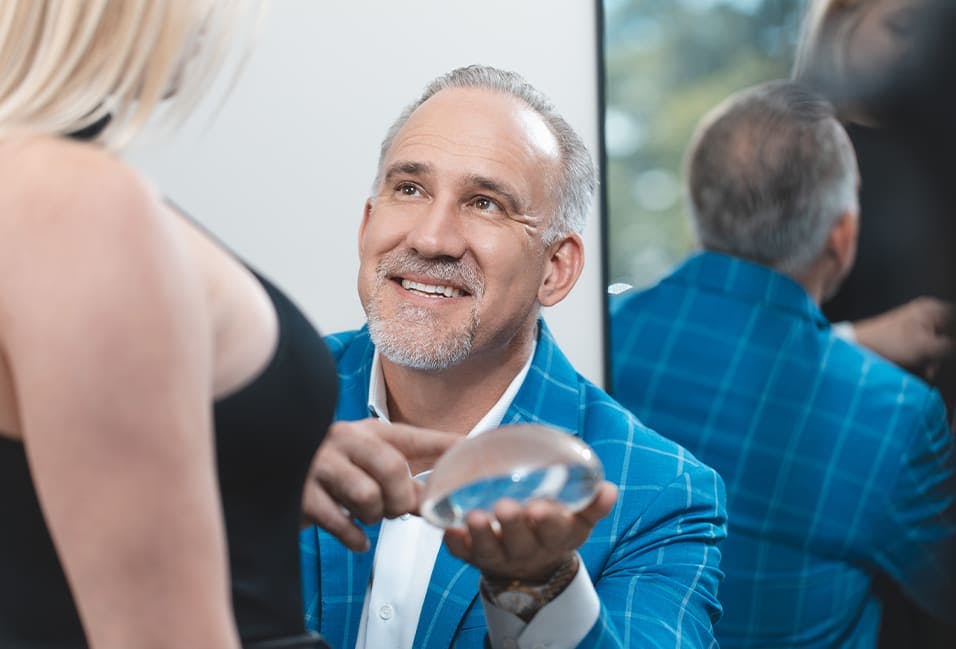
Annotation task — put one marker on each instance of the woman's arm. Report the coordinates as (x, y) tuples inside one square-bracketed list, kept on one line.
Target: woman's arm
[(105, 327)]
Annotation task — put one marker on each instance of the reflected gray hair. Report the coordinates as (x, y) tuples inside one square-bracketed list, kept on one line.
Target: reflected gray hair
[(770, 171), (575, 188)]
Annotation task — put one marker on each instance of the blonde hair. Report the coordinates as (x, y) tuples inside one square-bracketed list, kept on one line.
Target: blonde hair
[(67, 64), (821, 52)]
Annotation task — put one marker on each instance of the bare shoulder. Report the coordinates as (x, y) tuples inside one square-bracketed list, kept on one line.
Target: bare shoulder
[(52, 180), (78, 225)]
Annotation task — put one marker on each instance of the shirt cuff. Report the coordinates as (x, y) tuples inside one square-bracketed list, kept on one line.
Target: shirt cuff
[(561, 624), (844, 330)]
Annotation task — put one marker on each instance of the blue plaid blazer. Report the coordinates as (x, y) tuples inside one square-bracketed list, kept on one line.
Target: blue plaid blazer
[(839, 466), (654, 559)]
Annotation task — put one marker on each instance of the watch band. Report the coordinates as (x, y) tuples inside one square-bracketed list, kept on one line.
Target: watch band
[(525, 597)]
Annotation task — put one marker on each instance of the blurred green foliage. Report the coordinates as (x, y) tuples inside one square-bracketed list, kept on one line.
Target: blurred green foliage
[(667, 62)]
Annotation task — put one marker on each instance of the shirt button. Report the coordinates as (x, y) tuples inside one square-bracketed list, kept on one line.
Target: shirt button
[(386, 612), (405, 516)]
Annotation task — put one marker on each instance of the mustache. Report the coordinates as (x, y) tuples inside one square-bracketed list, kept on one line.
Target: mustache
[(450, 271)]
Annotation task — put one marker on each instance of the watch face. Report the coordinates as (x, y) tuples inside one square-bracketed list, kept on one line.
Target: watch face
[(516, 601)]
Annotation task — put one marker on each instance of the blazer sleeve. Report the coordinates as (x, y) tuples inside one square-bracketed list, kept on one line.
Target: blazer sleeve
[(916, 545), (659, 586)]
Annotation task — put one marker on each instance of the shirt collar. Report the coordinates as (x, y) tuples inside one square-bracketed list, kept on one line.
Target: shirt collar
[(749, 281), (378, 396)]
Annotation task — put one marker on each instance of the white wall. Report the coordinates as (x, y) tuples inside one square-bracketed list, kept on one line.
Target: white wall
[(283, 170)]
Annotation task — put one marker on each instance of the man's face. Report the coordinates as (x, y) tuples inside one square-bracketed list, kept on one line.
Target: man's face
[(451, 248)]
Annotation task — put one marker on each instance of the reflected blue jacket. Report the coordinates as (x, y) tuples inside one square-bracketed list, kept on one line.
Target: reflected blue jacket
[(654, 559), (839, 466)]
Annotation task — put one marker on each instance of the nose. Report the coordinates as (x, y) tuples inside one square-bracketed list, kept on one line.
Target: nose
[(438, 231)]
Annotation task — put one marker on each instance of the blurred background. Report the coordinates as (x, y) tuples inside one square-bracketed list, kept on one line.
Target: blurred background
[(667, 62)]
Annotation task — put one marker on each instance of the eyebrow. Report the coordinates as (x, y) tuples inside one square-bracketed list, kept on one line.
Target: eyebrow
[(496, 187), (413, 168), (407, 168)]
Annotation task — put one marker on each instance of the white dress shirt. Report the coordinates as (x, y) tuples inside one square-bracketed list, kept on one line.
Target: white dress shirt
[(405, 556)]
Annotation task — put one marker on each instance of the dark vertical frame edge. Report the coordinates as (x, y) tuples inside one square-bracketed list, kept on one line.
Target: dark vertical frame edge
[(603, 222)]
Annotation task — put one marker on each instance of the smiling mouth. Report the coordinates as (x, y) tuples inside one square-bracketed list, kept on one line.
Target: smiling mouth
[(431, 290)]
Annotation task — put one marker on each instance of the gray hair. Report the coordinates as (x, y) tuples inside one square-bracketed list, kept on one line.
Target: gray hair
[(575, 188), (770, 172)]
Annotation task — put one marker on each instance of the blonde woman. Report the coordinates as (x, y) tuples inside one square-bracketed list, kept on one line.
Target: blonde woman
[(159, 401)]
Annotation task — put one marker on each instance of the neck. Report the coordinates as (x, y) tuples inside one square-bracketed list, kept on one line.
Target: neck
[(454, 399), (820, 281)]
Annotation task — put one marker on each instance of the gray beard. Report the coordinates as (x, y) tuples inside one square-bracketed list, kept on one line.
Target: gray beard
[(415, 338)]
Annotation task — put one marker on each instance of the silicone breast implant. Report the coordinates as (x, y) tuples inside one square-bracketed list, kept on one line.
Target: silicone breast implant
[(521, 462)]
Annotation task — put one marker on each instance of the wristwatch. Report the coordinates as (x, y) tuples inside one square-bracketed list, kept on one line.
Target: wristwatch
[(524, 597)]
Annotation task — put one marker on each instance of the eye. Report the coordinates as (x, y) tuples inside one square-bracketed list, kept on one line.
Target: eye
[(485, 204), (408, 189)]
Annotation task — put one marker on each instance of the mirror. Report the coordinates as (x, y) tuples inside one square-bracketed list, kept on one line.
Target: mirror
[(666, 63)]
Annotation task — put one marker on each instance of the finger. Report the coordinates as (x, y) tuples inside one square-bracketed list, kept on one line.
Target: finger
[(419, 445), (601, 506), (389, 470), (516, 537), (486, 549), (361, 448), (350, 487), (936, 347), (557, 528), (458, 542), (319, 509), (419, 486), (938, 314)]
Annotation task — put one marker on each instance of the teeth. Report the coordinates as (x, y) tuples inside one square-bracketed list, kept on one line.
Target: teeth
[(431, 289)]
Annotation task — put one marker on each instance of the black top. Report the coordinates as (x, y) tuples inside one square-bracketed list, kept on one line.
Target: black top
[(266, 434)]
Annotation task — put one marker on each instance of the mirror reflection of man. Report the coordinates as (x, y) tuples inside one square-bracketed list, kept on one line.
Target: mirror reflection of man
[(840, 467), (481, 192)]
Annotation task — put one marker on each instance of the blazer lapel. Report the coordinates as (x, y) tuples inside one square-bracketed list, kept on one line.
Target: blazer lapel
[(551, 393), (345, 574), (354, 369), (452, 591)]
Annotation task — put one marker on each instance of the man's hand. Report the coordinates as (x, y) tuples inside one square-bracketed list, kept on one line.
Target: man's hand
[(533, 541), (363, 470), (917, 336)]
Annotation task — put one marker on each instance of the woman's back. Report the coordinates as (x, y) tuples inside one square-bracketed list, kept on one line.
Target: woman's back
[(121, 325)]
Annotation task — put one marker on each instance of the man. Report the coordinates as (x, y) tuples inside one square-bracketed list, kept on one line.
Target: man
[(840, 468), (481, 192)]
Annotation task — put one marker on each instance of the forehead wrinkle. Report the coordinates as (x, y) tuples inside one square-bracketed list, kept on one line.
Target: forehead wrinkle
[(494, 149), (503, 154)]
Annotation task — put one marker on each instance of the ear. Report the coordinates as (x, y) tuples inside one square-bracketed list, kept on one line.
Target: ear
[(841, 243), (366, 215), (565, 261)]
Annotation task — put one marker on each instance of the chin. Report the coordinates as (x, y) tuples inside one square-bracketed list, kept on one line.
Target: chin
[(415, 338), (419, 350)]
